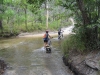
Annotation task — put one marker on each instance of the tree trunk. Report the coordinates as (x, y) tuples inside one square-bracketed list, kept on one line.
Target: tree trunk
[(85, 17), (47, 14), (26, 17), (1, 24), (1, 27)]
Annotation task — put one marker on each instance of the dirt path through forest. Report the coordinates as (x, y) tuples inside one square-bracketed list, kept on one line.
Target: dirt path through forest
[(67, 31)]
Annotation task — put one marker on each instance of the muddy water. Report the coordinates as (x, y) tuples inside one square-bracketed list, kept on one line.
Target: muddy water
[(27, 56)]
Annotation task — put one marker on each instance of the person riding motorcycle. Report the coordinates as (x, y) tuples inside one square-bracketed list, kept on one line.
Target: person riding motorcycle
[(59, 33), (46, 38)]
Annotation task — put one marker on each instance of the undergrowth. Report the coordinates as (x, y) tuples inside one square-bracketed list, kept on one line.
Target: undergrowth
[(72, 42)]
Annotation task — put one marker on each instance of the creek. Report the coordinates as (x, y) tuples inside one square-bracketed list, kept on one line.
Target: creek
[(27, 56)]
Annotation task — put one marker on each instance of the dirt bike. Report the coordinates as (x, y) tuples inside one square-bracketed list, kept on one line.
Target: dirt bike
[(60, 36), (48, 47)]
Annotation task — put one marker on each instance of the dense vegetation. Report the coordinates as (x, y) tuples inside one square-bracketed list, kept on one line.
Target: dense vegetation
[(30, 15), (87, 27)]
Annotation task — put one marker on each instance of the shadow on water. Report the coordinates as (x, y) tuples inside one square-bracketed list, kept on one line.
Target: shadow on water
[(27, 56)]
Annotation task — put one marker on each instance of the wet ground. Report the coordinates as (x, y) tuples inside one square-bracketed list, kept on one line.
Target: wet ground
[(28, 57)]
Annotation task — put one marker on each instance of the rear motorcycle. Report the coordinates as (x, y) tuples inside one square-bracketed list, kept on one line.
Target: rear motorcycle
[(48, 47)]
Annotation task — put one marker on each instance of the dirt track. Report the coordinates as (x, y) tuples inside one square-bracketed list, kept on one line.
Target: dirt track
[(67, 31)]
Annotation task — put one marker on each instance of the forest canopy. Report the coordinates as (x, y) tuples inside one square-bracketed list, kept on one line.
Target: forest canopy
[(87, 17)]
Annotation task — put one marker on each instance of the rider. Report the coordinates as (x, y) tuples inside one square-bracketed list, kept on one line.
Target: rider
[(46, 38), (59, 33)]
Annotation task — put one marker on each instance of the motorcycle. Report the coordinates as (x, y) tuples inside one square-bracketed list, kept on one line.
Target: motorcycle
[(60, 36), (48, 47)]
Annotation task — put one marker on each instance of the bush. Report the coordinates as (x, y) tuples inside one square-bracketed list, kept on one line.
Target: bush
[(72, 42)]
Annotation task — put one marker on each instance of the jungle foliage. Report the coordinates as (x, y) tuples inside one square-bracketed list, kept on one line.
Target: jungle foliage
[(29, 15), (87, 17)]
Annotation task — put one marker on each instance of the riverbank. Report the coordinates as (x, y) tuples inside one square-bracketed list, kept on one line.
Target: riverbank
[(35, 35), (67, 31), (87, 63)]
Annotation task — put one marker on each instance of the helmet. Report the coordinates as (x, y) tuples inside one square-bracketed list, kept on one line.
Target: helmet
[(46, 31)]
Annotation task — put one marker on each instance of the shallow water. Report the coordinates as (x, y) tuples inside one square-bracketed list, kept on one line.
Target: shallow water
[(27, 56)]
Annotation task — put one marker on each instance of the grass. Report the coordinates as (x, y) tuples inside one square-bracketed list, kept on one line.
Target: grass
[(72, 43)]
